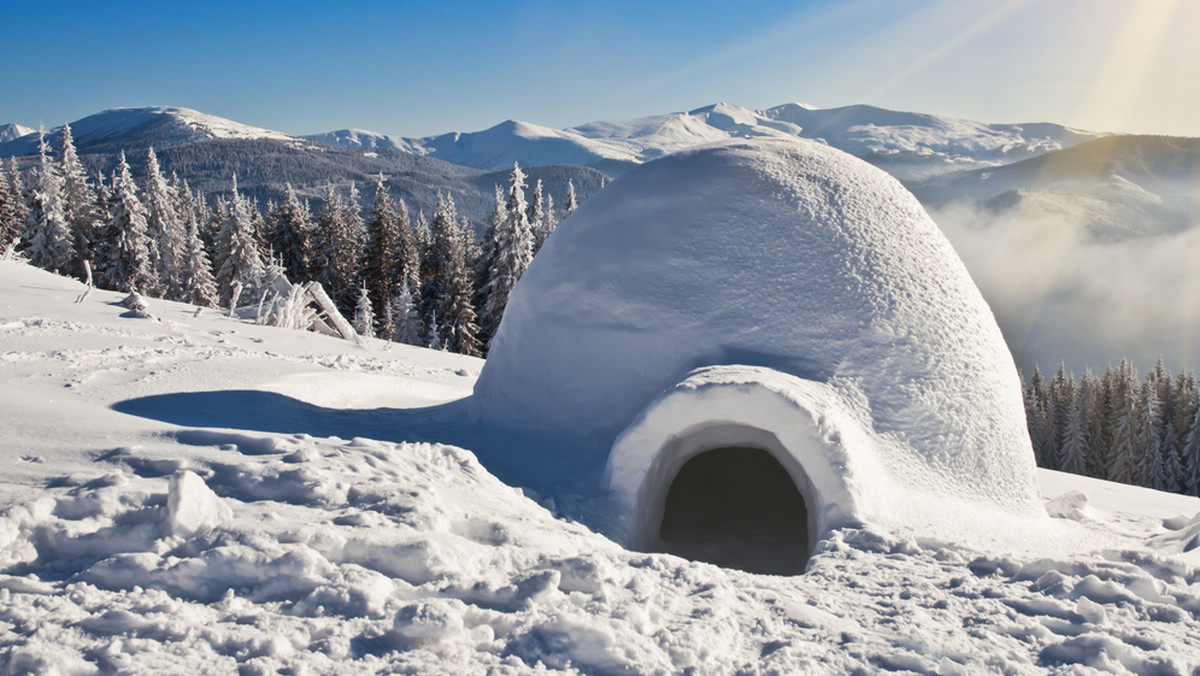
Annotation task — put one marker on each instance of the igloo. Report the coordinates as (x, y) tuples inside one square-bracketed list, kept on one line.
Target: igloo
[(761, 340)]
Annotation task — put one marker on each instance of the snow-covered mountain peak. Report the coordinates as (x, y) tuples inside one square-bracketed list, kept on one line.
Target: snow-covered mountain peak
[(191, 124), (11, 131), (158, 126)]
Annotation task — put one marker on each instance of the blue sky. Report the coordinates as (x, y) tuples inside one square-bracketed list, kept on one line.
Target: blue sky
[(421, 68)]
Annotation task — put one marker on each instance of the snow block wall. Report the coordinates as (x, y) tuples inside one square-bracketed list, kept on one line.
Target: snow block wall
[(864, 358)]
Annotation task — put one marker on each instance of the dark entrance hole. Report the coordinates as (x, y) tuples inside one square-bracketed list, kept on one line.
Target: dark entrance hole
[(737, 508)]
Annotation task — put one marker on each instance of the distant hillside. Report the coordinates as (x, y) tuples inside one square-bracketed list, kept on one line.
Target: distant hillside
[(1117, 186), (208, 151)]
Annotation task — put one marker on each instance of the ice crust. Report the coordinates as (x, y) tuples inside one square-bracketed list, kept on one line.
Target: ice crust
[(785, 255)]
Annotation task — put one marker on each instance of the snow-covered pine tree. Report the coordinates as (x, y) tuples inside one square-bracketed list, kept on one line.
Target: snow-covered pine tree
[(449, 294), (422, 241), (1149, 433), (197, 284), (381, 252), (1075, 443), (1191, 455), (1185, 411), (81, 206), (338, 248), (572, 201), (408, 251), (1168, 474), (1036, 417), (9, 225), (291, 227), (1062, 397), (537, 213), (549, 223), (406, 317), (433, 332), (17, 187), (239, 262), (1121, 461), (364, 314), (166, 233), (514, 251), (1090, 400), (127, 244), (47, 236), (487, 260)]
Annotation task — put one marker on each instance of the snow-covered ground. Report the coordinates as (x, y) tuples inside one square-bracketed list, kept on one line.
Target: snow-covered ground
[(196, 493)]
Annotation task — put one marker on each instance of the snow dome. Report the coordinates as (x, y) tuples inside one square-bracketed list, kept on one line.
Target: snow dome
[(765, 337)]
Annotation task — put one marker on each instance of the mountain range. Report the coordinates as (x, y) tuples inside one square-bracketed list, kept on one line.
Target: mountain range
[(1078, 239), (912, 146), (1113, 186)]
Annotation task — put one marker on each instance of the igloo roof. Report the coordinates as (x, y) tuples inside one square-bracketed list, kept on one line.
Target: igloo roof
[(776, 253)]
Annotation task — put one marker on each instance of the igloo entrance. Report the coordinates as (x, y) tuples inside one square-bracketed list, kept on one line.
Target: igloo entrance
[(736, 507)]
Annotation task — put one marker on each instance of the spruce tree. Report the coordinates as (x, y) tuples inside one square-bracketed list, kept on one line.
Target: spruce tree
[(448, 294), (166, 233), (406, 317), (197, 284), (1062, 396), (381, 252), (1149, 434), (537, 213), (127, 249), (239, 262), (549, 223), (408, 258), (338, 248), (21, 201), (487, 260), (1075, 443), (1121, 461), (1091, 405), (9, 225), (1036, 416), (47, 234), (81, 205), (364, 314), (1191, 456), (572, 202), (433, 332), (514, 251), (291, 227)]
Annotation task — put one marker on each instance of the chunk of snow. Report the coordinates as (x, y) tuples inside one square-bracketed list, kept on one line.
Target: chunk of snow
[(192, 507)]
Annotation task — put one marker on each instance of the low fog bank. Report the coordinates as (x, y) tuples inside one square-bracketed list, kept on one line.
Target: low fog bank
[(1060, 293)]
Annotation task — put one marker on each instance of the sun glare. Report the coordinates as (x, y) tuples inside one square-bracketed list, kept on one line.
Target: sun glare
[(1119, 85)]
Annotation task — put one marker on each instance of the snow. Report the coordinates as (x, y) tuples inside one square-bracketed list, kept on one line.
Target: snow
[(825, 291), (354, 545)]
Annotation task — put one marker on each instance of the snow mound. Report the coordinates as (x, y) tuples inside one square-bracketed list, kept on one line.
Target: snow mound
[(784, 256)]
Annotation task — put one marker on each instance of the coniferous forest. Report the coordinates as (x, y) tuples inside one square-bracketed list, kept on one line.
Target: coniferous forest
[(400, 276), (1115, 426)]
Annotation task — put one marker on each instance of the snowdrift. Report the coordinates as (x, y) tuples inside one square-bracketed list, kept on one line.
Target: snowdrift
[(827, 296)]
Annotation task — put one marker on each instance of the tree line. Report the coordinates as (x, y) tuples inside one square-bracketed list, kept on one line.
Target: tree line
[(1115, 427), (402, 278)]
